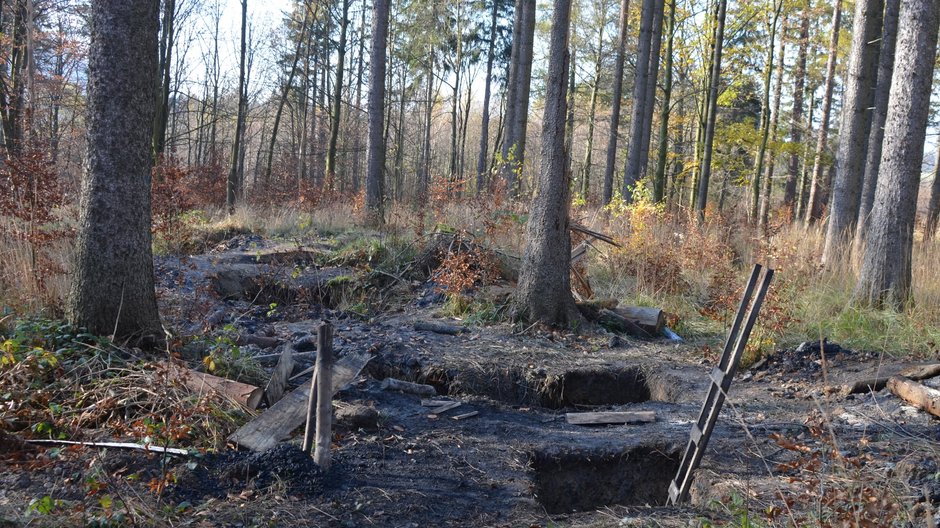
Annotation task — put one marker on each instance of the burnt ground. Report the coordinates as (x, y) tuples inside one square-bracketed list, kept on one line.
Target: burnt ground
[(786, 448)]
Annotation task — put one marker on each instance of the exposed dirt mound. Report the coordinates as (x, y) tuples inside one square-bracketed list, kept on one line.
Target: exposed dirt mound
[(218, 475)]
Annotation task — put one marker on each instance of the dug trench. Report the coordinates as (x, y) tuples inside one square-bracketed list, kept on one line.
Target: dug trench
[(517, 461), (513, 460)]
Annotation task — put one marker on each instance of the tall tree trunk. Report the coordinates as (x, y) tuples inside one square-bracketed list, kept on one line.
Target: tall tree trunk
[(485, 125), (652, 79), (659, 181), (632, 172), (167, 39), (885, 278), (523, 81), (933, 206), (285, 90), (854, 132), (589, 148), (233, 189), (764, 212), (889, 36), (712, 112), (796, 122), (376, 165), (112, 289), (544, 292), (617, 99), (803, 196), (819, 186), (424, 168), (455, 100), (337, 98), (764, 116), (512, 83)]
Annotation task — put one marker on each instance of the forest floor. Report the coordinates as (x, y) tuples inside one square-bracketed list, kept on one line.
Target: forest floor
[(790, 448)]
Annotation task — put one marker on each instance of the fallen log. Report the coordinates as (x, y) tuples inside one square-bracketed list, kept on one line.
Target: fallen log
[(244, 394), (408, 387), (278, 422), (916, 373), (649, 319), (619, 323), (912, 392), (601, 418), (438, 327), (258, 341)]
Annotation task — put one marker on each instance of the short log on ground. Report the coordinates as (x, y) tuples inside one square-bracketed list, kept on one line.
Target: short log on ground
[(916, 373), (438, 327), (408, 387), (912, 392)]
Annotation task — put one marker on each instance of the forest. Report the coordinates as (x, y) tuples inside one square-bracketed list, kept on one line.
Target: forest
[(469, 262)]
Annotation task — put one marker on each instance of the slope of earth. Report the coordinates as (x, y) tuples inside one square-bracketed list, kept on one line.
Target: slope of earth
[(788, 446)]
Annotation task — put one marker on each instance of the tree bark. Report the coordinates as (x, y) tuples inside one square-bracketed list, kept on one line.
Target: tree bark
[(544, 292), (885, 278), (819, 186), (616, 97), (112, 289), (857, 102), (376, 164), (796, 122), (889, 37)]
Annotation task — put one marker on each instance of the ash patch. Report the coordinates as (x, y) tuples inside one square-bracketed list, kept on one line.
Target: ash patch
[(219, 475), (806, 359)]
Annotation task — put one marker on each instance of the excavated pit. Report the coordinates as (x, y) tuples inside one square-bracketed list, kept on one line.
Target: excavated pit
[(595, 386), (514, 385), (586, 480)]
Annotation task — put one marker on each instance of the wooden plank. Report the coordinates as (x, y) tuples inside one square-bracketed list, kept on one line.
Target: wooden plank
[(278, 422), (244, 394), (923, 397), (446, 407), (599, 418), (274, 390), (464, 416)]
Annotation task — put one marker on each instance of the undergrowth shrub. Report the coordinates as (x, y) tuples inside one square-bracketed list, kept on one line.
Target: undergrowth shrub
[(34, 238)]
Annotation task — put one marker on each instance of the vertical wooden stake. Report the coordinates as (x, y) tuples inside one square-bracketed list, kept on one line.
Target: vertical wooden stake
[(311, 412), (324, 367)]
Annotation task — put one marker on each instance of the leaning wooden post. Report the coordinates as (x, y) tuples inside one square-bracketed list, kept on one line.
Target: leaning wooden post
[(324, 369)]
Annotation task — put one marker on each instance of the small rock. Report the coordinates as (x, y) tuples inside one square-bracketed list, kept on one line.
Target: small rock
[(615, 342), (23, 482), (358, 417)]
